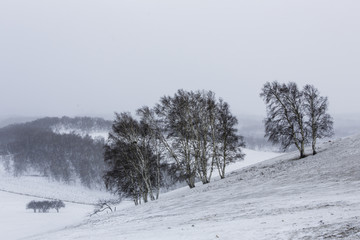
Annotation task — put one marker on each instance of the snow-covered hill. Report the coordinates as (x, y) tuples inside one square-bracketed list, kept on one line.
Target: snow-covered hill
[(94, 133), (94, 127), (15, 192), (17, 222), (283, 198)]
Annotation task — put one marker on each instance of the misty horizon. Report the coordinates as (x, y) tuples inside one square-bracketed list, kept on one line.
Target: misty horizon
[(96, 58)]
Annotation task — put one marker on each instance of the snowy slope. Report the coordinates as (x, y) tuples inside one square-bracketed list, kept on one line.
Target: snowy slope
[(283, 198), (16, 192), (37, 186), (16, 222)]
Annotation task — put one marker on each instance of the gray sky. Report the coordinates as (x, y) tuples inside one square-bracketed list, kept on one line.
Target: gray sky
[(80, 57)]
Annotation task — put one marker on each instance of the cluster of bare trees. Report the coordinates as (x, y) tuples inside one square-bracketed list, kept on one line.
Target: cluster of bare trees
[(187, 136), (295, 117), (45, 206)]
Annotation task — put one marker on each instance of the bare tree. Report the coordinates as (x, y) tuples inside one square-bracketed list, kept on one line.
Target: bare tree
[(32, 205), (174, 114), (57, 204), (295, 117), (319, 122), (203, 112), (285, 115), (105, 205), (133, 165), (163, 145), (229, 141)]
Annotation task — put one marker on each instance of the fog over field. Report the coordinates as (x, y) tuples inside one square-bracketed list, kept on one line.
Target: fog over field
[(94, 57)]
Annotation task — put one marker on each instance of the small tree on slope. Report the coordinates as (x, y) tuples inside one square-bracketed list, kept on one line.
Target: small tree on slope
[(285, 118), (230, 143), (319, 123), (133, 166)]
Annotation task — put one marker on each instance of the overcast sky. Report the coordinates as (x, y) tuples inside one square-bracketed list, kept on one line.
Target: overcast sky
[(82, 57)]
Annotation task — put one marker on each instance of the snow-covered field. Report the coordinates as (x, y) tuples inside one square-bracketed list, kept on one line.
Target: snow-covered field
[(17, 222), (282, 198), (42, 187)]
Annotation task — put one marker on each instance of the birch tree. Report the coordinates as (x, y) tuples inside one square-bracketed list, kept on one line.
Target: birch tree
[(295, 117), (319, 122), (134, 168), (175, 115), (284, 123), (230, 143), (198, 132)]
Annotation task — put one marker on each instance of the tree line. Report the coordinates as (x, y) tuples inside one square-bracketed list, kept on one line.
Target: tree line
[(186, 136), (85, 124), (34, 148), (191, 134)]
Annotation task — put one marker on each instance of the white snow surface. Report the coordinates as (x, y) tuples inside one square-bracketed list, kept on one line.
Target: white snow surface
[(15, 192), (16, 222), (42, 187), (317, 197), (94, 133)]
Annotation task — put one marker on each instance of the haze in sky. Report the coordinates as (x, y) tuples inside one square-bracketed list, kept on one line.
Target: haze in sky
[(88, 57)]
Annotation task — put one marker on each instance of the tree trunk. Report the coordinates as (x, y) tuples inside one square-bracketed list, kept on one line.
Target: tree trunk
[(191, 181), (302, 151), (314, 145), (314, 149)]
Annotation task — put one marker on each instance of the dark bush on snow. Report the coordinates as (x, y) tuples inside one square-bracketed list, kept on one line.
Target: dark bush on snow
[(45, 206)]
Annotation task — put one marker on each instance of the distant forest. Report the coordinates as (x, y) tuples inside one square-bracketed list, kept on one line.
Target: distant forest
[(41, 148), (35, 147)]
